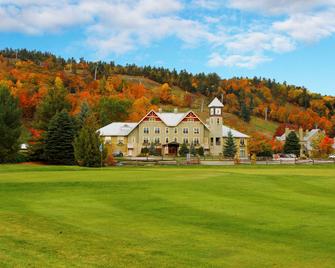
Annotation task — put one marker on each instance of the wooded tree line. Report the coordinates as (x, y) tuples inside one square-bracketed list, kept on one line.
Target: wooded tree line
[(36, 78)]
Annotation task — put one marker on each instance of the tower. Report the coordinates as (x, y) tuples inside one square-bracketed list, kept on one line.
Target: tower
[(215, 126)]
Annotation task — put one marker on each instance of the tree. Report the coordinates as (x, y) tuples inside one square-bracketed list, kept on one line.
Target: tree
[(54, 102), (10, 125), (245, 112), (86, 145), (229, 150), (152, 149), (193, 151), (59, 139), (201, 151), (292, 145), (110, 110), (83, 114), (183, 151)]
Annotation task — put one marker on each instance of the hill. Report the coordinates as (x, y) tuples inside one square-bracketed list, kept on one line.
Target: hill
[(115, 92)]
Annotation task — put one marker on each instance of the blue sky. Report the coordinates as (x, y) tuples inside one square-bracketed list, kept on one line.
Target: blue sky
[(287, 40)]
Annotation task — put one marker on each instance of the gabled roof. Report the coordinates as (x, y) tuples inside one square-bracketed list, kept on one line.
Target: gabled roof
[(236, 134), (117, 129), (171, 119), (216, 103), (311, 133)]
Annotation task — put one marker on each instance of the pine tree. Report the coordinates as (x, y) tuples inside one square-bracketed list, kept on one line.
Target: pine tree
[(10, 125), (84, 113), (245, 112), (59, 140), (183, 151), (54, 102), (201, 151), (87, 144), (292, 145), (193, 151), (229, 150), (152, 149)]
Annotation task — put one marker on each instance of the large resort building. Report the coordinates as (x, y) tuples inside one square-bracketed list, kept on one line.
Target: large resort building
[(167, 131)]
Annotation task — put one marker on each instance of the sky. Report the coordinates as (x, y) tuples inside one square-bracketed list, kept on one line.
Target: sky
[(286, 40)]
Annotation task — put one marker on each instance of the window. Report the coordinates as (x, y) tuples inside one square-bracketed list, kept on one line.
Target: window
[(166, 140), (146, 140), (185, 140), (196, 130), (175, 130), (212, 111), (146, 130), (242, 142), (196, 141), (190, 119), (242, 153), (218, 121), (120, 140), (185, 130), (157, 130), (217, 141), (152, 119), (157, 140), (175, 139), (217, 111), (212, 141), (167, 130)]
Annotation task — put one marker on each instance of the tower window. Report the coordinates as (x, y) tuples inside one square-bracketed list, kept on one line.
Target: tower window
[(217, 141), (218, 121)]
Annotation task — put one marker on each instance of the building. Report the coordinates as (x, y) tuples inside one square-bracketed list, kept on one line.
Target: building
[(305, 138), (167, 131)]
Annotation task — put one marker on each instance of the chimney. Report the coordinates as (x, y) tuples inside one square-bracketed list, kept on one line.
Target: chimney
[(175, 110), (301, 133), (287, 131)]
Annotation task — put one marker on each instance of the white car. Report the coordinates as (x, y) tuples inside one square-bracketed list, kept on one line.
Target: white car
[(332, 156)]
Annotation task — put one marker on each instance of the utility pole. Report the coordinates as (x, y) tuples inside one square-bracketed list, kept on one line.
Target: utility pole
[(95, 72), (266, 114)]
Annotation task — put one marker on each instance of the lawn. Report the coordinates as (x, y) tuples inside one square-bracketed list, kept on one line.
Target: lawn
[(167, 217)]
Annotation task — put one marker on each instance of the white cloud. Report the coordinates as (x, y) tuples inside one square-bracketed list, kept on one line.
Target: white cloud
[(259, 41), (243, 61), (280, 6), (308, 27)]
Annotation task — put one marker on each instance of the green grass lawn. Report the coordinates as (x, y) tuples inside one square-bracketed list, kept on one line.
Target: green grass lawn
[(167, 217)]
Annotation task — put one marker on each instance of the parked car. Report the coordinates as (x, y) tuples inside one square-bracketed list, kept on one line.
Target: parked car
[(118, 154), (332, 156)]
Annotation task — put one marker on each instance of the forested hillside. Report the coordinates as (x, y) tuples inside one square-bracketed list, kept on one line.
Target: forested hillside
[(115, 93)]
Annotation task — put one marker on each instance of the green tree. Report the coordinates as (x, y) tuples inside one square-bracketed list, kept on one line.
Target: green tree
[(201, 151), (10, 125), (53, 102), (152, 149), (84, 113), (193, 151), (229, 149), (110, 110), (183, 151), (87, 144), (245, 112), (59, 139), (292, 145)]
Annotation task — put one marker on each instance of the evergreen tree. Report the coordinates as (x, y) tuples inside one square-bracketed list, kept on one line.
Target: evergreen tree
[(152, 149), (83, 114), (292, 145), (110, 110), (245, 112), (229, 150), (10, 125), (193, 151), (201, 151), (54, 102), (59, 139), (87, 145), (183, 151)]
